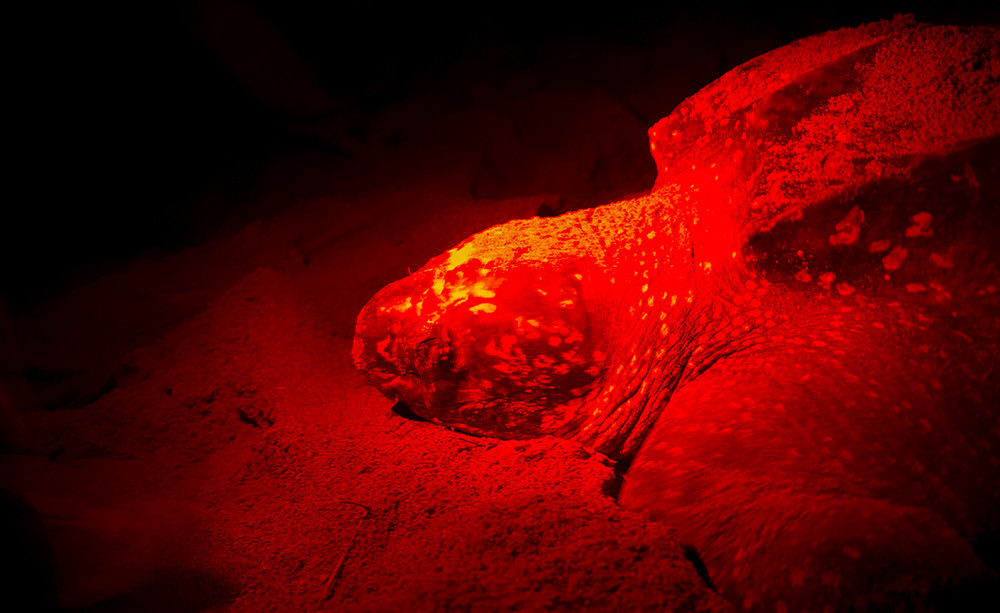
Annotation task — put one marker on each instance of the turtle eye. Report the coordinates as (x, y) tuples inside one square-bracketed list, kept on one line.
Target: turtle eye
[(434, 354)]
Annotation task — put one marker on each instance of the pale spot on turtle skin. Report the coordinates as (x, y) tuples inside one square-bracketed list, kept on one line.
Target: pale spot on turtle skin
[(403, 306), (895, 259), (921, 225), (849, 228), (507, 342), (941, 261), (826, 279), (459, 255), (484, 307), (916, 288), (879, 245)]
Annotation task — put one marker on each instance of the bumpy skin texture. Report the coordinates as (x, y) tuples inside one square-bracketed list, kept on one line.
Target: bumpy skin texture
[(793, 337)]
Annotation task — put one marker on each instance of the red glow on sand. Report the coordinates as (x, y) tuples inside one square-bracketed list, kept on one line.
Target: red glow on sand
[(189, 431)]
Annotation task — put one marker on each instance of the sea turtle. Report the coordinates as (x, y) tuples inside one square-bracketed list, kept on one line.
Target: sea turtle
[(792, 338)]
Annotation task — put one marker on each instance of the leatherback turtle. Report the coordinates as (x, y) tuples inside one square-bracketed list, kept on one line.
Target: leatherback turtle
[(792, 338)]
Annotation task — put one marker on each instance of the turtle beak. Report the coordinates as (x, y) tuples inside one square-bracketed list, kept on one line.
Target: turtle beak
[(388, 316), (401, 353)]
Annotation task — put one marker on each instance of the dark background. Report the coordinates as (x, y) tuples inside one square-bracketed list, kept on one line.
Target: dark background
[(123, 113)]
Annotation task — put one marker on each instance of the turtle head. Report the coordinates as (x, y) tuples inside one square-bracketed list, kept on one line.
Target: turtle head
[(487, 340)]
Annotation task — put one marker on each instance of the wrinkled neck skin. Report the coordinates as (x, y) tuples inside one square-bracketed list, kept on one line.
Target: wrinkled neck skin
[(674, 278)]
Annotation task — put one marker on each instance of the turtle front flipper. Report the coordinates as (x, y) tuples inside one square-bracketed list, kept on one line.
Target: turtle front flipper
[(835, 462)]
